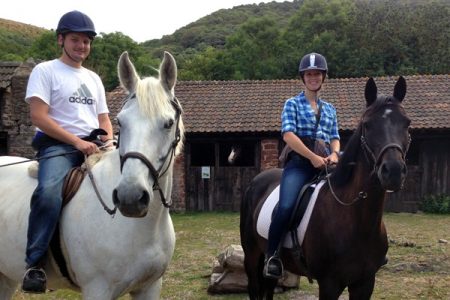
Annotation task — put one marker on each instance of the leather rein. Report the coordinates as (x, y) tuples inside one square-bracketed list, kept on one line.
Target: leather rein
[(168, 158)]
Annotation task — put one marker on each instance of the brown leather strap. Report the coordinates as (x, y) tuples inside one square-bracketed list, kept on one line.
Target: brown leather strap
[(72, 183)]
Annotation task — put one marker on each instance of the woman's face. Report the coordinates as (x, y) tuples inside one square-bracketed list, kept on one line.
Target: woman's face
[(313, 80)]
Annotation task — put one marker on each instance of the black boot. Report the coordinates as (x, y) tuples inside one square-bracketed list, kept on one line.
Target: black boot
[(34, 281), (273, 267)]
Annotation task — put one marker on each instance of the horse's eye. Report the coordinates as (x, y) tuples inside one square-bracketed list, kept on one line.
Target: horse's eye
[(168, 124)]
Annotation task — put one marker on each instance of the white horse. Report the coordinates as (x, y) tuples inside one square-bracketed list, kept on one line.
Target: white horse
[(109, 257), (235, 153)]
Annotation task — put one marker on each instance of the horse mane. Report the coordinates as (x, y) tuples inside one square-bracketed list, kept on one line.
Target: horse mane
[(346, 165), (152, 98), (153, 101)]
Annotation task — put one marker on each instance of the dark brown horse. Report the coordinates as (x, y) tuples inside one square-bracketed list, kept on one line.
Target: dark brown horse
[(345, 243)]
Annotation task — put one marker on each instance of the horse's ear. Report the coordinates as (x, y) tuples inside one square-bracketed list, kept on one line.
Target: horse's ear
[(400, 89), (168, 71), (370, 92), (127, 73)]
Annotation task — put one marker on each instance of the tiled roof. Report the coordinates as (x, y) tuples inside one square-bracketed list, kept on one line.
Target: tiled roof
[(6, 72), (255, 106)]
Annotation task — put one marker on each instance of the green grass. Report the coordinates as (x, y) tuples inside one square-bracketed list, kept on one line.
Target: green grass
[(418, 268)]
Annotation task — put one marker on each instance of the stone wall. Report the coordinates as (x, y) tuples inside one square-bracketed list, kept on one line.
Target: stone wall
[(22, 132), (15, 119)]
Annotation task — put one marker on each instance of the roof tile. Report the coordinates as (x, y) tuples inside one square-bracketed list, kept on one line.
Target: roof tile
[(255, 106)]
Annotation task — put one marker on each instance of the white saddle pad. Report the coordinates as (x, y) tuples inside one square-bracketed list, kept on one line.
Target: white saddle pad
[(265, 215)]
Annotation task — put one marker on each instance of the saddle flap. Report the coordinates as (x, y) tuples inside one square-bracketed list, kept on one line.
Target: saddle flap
[(265, 215), (72, 183)]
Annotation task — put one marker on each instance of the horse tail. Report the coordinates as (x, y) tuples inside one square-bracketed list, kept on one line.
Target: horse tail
[(255, 194)]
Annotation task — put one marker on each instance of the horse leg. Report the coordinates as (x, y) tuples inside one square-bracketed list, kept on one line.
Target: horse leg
[(329, 289), (269, 287), (362, 289), (150, 292), (98, 289), (7, 287), (252, 262)]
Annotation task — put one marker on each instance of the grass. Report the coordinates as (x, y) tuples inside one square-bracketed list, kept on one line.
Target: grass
[(418, 268)]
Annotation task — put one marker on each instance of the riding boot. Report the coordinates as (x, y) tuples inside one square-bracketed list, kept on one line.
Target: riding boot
[(273, 267), (34, 280)]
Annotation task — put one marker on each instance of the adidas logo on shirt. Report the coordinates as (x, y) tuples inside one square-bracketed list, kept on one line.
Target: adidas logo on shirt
[(82, 96)]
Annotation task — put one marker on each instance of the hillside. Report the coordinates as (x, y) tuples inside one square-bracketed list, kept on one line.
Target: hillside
[(213, 29), (15, 38)]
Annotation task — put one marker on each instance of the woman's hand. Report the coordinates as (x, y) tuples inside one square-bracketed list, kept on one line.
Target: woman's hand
[(318, 162), (333, 158)]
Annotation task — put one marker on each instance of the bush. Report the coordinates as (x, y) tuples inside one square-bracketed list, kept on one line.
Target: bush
[(439, 204)]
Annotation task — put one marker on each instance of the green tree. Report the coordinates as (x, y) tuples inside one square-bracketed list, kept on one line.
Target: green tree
[(321, 26), (45, 47), (255, 50), (105, 53)]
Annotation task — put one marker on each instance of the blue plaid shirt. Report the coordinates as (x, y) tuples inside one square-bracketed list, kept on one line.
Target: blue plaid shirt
[(298, 117)]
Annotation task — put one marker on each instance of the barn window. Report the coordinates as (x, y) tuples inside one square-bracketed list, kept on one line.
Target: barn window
[(202, 154), (243, 154), (3, 143)]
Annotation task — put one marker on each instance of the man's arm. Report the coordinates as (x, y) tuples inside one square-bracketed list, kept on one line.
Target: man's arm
[(40, 118), (105, 124)]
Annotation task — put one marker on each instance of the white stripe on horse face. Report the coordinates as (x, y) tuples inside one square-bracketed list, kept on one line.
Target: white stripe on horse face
[(386, 113)]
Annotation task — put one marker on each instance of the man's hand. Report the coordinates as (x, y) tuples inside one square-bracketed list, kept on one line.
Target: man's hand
[(87, 148)]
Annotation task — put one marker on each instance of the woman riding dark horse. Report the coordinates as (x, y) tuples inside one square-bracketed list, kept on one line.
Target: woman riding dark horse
[(305, 119), (345, 242)]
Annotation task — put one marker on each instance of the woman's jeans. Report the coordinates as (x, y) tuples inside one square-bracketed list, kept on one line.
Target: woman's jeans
[(46, 200), (297, 172)]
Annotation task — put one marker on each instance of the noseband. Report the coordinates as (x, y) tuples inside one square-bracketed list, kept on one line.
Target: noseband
[(376, 159), (157, 174)]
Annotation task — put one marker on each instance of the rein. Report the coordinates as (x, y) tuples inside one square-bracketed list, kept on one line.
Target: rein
[(168, 158), (110, 211), (39, 158)]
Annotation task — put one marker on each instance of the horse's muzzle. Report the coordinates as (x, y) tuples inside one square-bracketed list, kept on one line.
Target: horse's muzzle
[(392, 175), (131, 204)]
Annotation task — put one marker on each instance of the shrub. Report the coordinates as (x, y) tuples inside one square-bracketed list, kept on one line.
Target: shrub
[(439, 204)]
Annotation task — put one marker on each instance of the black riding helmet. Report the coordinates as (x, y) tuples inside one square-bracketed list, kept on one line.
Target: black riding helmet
[(75, 21), (313, 61)]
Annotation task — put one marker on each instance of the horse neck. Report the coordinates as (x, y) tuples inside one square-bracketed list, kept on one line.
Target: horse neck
[(362, 180)]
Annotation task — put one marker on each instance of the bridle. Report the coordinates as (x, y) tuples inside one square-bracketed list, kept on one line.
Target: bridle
[(168, 158), (370, 157)]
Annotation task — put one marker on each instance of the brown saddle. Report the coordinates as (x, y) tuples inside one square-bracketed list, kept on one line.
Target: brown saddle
[(72, 183)]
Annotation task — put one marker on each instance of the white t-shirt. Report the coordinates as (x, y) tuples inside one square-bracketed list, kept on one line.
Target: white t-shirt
[(76, 96)]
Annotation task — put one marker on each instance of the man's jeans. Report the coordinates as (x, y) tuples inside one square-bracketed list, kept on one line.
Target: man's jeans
[(46, 200), (297, 172)]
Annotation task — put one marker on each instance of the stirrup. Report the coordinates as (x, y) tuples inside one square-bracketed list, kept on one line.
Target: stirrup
[(270, 263)]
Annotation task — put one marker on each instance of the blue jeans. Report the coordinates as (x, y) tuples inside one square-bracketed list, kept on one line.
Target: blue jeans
[(46, 200), (297, 172)]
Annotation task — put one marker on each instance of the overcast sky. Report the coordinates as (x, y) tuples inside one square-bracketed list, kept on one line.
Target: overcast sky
[(141, 20)]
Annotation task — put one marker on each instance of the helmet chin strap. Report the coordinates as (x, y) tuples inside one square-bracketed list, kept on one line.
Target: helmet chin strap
[(68, 55)]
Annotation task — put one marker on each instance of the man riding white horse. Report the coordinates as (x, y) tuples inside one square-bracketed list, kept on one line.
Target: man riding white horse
[(67, 102)]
